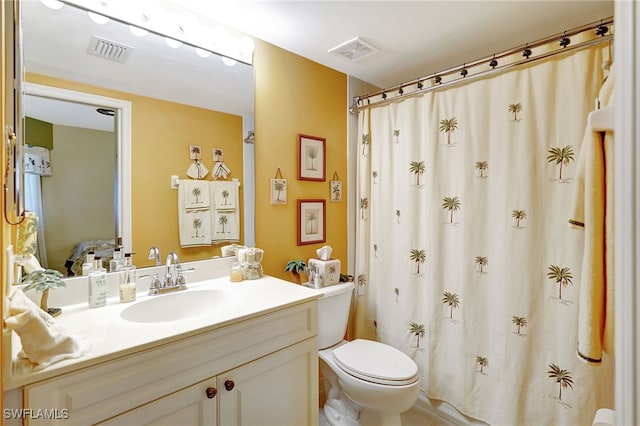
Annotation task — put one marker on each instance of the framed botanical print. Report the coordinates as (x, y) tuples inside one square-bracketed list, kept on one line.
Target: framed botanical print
[(311, 221), (278, 191), (311, 158), (335, 189)]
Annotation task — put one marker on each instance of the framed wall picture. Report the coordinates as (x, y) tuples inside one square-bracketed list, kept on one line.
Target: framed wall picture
[(335, 189), (311, 221), (311, 158), (278, 191)]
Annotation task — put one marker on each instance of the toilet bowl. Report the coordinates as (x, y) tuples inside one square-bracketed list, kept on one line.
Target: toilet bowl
[(367, 382)]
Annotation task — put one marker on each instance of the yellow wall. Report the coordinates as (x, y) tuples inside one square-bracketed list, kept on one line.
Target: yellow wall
[(161, 134), (295, 95)]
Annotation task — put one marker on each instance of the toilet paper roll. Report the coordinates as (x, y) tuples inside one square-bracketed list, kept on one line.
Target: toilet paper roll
[(604, 417)]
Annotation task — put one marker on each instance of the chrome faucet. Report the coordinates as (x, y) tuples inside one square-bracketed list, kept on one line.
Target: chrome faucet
[(154, 253), (169, 283)]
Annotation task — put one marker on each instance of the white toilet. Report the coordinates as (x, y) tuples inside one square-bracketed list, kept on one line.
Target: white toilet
[(367, 382)]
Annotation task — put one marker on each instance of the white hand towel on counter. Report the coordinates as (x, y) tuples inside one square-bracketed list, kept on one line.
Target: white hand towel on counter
[(43, 342), (195, 193)]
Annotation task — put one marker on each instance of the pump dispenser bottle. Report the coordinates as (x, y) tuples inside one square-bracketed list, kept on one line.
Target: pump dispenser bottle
[(116, 262), (98, 290), (87, 266), (127, 280)]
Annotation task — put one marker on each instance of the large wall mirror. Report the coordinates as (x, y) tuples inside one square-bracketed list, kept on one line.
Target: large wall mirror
[(108, 121)]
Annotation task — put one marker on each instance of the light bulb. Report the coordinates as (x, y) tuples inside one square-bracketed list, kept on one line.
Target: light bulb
[(203, 53), (97, 18), (52, 4), (228, 61), (172, 42), (140, 32)]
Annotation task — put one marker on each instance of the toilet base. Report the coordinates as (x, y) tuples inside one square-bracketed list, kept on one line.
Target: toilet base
[(335, 413), (339, 410)]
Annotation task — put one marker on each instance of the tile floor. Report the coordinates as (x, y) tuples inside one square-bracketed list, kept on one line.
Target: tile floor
[(418, 417)]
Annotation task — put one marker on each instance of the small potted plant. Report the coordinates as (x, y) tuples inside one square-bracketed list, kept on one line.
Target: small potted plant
[(296, 267), (42, 281)]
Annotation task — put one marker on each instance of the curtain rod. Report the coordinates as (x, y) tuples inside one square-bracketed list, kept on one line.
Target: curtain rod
[(418, 86)]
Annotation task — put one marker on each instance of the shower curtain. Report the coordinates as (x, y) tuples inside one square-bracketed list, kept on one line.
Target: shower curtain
[(464, 257)]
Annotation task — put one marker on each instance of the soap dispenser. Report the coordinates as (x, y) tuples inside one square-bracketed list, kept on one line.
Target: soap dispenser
[(98, 289), (127, 280), (87, 266)]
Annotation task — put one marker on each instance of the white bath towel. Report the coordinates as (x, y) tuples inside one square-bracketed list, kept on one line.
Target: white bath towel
[(195, 228), (225, 214), (195, 193), (43, 341), (593, 213), (225, 195), (226, 227), (194, 225)]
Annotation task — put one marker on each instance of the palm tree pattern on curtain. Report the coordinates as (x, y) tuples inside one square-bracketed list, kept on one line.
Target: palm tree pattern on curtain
[(520, 322), (561, 157), (560, 276), (482, 167), (515, 109), (428, 288), (448, 126), (482, 362)]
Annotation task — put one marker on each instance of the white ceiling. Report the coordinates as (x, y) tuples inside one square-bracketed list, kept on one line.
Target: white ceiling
[(415, 38)]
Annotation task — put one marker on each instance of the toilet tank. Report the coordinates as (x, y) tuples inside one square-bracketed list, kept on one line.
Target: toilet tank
[(333, 313)]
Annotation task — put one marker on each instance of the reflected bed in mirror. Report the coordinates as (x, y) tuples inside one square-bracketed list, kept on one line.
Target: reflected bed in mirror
[(176, 99)]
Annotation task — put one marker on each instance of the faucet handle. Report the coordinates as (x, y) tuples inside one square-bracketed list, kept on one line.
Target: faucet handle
[(180, 281), (155, 283)]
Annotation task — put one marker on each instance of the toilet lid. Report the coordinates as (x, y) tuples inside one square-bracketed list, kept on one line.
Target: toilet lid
[(376, 362)]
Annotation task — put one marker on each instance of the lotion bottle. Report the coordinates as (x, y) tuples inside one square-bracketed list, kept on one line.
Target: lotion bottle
[(87, 266), (127, 280), (116, 262), (98, 290)]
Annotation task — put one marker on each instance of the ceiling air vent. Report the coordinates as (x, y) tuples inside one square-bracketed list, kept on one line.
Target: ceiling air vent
[(354, 49), (108, 49)]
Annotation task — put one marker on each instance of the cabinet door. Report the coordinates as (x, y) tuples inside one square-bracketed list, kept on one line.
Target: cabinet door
[(193, 406), (277, 390)]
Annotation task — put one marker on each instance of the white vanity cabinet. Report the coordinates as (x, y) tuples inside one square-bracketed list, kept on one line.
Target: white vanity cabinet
[(269, 391), (261, 370)]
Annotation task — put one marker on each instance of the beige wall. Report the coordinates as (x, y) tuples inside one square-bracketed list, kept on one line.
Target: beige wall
[(295, 95), (85, 197)]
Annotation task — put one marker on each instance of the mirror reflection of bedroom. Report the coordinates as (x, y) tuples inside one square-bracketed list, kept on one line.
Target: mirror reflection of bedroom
[(66, 140)]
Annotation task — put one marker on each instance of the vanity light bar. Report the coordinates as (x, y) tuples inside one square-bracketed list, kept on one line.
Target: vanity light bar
[(236, 48)]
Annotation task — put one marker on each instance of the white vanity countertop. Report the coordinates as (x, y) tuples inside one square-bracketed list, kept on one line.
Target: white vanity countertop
[(110, 336)]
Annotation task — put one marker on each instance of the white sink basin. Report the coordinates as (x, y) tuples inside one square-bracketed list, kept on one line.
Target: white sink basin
[(178, 306)]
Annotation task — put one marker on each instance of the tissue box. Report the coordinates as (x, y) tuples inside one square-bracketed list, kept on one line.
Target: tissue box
[(329, 270)]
